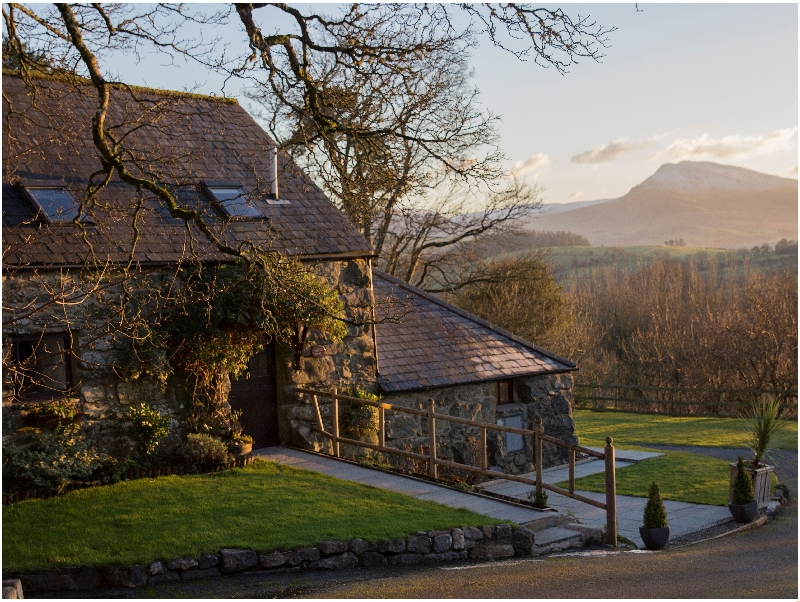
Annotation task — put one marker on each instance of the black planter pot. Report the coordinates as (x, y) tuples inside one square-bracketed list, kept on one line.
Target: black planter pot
[(744, 513), (654, 539)]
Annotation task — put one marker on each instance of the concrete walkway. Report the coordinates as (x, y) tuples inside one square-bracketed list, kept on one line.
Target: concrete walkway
[(683, 517), (413, 487)]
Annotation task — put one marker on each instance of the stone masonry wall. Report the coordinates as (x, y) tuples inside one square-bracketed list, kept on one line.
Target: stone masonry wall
[(349, 363), (103, 395), (548, 397)]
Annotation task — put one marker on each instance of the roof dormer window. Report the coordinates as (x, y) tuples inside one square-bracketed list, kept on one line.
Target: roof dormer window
[(55, 204), (235, 202)]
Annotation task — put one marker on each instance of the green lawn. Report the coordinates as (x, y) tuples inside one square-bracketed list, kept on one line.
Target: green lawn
[(629, 429), (682, 477), (263, 507)]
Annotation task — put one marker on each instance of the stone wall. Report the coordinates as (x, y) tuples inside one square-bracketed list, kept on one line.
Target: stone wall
[(547, 397), (103, 395), (489, 542), (350, 363)]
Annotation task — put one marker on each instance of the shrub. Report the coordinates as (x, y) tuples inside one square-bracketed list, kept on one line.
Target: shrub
[(205, 450), (539, 499), (655, 515), (149, 427), (61, 408), (743, 485), (359, 420), (55, 459)]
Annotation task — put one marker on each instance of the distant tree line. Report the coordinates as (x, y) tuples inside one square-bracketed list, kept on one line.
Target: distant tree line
[(667, 324)]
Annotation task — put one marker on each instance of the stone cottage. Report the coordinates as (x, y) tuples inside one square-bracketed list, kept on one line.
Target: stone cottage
[(61, 279)]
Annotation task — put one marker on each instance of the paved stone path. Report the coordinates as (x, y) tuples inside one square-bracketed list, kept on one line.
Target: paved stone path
[(683, 516)]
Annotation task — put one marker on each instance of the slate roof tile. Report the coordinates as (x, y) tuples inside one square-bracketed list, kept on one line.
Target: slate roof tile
[(437, 344), (196, 140)]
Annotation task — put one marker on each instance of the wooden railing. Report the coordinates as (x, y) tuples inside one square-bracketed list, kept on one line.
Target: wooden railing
[(678, 401), (434, 462)]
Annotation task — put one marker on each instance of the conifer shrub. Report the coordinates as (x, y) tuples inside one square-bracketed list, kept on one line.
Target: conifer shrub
[(655, 515), (743, 485)]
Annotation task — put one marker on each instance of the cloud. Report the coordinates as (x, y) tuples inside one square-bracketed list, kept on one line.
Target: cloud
[(576, 195), (533, 162), (612, 150), (728, 147)]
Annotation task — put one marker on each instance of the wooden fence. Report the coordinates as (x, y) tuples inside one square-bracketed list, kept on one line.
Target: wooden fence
[(677, 401), (433, 462)]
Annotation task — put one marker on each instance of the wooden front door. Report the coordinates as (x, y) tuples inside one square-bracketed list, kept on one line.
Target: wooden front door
[(257, 398)]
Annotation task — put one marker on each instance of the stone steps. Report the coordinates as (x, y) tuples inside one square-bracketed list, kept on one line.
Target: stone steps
[(558, 539)]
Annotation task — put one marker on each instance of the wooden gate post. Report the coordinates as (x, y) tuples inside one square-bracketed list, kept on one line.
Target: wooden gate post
[(611, 493), (381, 426), (335, 421), (433, 469), (539, 430)]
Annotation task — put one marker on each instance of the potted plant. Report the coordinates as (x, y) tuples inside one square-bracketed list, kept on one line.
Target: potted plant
[(743, 506), (763, 426), (655, 532), (241, 444)]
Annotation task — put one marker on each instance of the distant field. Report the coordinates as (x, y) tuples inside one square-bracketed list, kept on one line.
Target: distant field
[(583, 261), (631, 429)]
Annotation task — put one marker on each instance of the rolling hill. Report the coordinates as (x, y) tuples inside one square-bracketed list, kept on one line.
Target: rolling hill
[(706, 204)]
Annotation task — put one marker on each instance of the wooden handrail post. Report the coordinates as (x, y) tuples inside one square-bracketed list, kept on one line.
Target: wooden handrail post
[(335, 421), (572, 470), (433, 470), (382, 427), (484, 458), (538, 444), (611, 493), (320, 424)]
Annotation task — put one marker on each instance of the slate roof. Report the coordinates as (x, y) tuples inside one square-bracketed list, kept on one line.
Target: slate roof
[(185, 140), (436, 344)]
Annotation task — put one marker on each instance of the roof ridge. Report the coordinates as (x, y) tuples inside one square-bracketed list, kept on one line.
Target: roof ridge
[(473, 318), (69, 78)]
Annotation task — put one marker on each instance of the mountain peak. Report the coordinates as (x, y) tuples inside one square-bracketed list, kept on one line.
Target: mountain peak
[(695, 176)]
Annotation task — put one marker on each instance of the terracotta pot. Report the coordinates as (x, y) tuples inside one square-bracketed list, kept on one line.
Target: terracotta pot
[(654, 539)]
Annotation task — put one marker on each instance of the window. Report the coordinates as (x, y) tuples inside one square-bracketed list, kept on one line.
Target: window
[(41, 364), (56, 204), (513, 441), (235, 202), (504, 391)]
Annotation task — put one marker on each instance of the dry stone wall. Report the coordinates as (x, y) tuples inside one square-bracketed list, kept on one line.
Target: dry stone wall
[(489, 542)]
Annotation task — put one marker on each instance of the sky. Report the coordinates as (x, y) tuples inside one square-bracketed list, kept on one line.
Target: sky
[(701, 82)]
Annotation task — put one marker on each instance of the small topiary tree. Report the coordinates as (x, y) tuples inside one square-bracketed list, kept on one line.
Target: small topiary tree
[(655, 515), (743, 485)]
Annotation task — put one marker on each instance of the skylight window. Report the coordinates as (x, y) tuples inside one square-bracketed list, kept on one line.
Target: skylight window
[(235, 202), (56, 203)]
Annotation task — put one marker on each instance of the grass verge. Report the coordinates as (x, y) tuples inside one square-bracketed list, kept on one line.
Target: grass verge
[(682, 477), (628, 428), (263, 506)]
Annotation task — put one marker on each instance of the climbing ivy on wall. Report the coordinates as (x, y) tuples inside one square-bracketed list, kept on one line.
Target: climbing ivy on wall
[(221, 320)]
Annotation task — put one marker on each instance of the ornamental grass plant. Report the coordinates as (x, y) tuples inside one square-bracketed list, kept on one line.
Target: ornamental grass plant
[(764, 427)]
